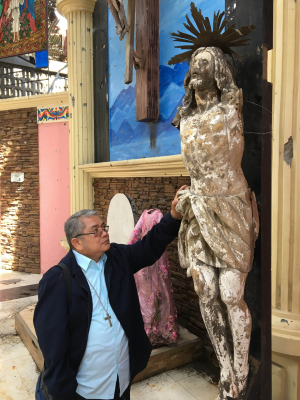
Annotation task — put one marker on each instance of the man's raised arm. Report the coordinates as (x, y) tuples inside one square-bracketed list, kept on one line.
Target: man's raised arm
[(147, 251)]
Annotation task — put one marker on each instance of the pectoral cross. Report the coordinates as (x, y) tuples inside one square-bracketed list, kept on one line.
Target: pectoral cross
[(108, 318)]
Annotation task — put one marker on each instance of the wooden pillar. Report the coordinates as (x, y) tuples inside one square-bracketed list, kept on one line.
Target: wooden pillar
[(285, 76), (100, 62), (80, 73), (147, 48)]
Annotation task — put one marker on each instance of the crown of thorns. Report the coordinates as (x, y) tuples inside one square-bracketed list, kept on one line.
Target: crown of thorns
[(205, 36)]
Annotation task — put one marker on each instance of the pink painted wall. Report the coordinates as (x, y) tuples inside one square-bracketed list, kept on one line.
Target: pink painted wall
[(54, 190)]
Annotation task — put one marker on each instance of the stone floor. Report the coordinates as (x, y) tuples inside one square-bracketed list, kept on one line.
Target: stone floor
[(182, 383), (20, 279), (18, 372)]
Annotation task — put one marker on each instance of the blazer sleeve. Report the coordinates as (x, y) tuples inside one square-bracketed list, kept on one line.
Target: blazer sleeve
[(51, 326), (147, 251)]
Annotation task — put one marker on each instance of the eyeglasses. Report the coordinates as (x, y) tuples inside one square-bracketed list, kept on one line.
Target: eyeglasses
[(97, 232)]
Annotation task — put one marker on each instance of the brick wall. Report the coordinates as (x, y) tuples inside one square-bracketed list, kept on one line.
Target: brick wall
[(20, 219), (159, 193)]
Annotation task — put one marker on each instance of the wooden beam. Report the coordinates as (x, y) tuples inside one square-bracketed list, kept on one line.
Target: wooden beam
[(39, 101), (100, 64), (147, 48), (142, 167), (130, 42)]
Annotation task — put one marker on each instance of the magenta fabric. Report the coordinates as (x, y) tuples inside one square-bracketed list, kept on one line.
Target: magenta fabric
[(155, 289)]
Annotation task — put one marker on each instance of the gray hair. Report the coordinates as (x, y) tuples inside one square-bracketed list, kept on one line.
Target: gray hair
[(74, 225)]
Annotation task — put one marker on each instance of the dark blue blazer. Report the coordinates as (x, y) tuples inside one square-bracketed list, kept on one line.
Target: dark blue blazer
[(62, 332)]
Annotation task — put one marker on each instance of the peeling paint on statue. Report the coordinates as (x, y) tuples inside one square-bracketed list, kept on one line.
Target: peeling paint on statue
[(220, 219)]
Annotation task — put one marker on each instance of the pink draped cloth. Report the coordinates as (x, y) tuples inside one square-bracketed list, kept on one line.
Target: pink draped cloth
[(155, 289)]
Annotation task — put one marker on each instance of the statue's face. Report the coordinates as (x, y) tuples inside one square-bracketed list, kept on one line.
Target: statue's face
[(202, 71)]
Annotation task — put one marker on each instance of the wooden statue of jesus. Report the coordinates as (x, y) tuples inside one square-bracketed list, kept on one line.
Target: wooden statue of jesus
[(220, 218)]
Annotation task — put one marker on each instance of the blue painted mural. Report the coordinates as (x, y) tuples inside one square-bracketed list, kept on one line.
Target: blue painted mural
[(130, 139)]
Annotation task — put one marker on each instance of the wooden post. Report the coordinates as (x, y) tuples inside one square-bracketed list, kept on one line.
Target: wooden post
[(147, 48), (130, 42), (100, 67)]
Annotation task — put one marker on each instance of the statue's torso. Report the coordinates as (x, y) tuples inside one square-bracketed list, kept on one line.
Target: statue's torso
[(212, 146)]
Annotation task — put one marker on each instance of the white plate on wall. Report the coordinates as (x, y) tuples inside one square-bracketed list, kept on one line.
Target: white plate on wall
[(120, 219)]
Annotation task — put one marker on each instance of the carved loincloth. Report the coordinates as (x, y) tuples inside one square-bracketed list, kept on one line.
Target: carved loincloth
[(219, 231)]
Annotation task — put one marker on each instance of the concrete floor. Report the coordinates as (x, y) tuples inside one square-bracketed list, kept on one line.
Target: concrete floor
[(182, 383), (23, 279), (18, 372)]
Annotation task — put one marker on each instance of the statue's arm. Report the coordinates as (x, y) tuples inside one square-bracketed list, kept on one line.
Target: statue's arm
[(234, 99), (176, 120), (239, 108)]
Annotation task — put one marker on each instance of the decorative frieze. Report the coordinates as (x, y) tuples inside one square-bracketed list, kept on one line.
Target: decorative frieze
[(52, 114)]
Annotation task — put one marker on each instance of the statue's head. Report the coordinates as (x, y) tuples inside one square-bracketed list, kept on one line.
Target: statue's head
[(201, 75), (209, 70)]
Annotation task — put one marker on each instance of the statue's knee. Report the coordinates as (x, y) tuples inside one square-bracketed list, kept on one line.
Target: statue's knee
[(206, 292), (207, 297), (229, 297), (198, 286), (205, 286)]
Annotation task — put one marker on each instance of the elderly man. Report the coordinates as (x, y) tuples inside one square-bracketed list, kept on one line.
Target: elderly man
[(95, 345)]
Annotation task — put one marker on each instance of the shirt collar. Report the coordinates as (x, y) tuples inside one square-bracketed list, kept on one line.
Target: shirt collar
[(84, 261)]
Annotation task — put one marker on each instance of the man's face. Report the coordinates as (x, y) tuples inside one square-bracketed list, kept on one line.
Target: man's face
[(202, 71), (95, 244)]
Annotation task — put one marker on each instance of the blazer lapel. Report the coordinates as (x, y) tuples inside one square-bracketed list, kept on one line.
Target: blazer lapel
[(108, 270), (76, 272)]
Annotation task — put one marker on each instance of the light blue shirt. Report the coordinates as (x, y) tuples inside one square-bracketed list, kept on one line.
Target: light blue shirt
[(107, 354)]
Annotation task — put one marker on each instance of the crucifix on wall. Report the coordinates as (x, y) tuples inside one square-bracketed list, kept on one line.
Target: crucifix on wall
[(145, 58)]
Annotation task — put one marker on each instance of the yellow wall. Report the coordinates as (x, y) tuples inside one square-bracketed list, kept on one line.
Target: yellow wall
[(285, 178), (284, 73), (291, 378), (81, 91)]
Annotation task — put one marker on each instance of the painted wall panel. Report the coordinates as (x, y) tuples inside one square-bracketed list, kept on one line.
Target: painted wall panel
[(54, 190), (130, 139)]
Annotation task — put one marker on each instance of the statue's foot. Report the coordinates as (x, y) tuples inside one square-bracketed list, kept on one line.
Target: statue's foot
[(224, 394), (228, 387), (220, 397), (242, 380)]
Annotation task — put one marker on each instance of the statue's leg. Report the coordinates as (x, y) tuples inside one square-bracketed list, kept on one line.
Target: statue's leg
[(232, 285), (207, 287)]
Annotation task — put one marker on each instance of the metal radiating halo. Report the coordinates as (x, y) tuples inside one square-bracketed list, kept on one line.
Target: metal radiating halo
[(206, 36)]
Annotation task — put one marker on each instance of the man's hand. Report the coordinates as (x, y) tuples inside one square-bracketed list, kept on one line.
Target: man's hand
[(175, 214)]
